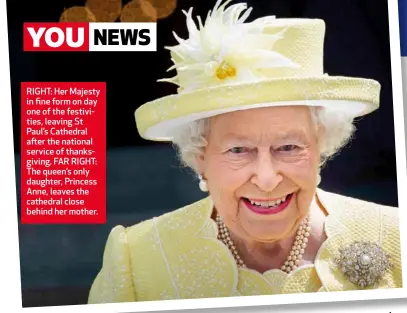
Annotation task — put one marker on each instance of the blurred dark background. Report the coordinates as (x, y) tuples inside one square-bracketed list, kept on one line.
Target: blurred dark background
[(144, 179)]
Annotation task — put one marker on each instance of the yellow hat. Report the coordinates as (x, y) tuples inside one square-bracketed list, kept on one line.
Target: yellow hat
[(227, 65)]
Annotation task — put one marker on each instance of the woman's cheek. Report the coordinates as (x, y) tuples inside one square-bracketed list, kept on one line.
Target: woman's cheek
[(237, 162), (229, 170), (305, 164)]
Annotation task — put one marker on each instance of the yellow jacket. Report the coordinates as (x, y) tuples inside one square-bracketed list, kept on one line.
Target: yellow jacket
[(178, 256)]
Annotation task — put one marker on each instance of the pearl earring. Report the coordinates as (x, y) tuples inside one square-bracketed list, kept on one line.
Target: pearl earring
[(202, 184)]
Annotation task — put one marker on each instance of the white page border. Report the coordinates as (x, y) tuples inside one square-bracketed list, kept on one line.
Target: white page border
[(9, 229)]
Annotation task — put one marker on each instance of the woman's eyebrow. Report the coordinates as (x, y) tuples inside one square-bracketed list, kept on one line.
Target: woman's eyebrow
[(236, 138), (293, 135), (281, 136)]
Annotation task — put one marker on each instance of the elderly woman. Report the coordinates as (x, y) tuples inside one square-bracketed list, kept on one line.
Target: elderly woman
[(255, 117)]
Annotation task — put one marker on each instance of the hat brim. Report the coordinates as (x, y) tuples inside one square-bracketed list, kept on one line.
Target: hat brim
[(159, 119)]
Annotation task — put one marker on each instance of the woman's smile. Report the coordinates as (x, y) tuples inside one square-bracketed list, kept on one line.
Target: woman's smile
[(267, 206)]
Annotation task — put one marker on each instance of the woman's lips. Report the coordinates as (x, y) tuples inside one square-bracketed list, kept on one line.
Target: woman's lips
[(268, 211)]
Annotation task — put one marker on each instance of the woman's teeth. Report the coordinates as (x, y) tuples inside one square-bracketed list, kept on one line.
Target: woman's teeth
[(268, 204)]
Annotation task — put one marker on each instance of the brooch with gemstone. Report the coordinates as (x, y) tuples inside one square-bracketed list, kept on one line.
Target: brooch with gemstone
[(363, 263)]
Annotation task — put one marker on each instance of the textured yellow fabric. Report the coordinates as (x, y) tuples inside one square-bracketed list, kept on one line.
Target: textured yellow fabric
[(178, 256), (114, 282), (252, 94)]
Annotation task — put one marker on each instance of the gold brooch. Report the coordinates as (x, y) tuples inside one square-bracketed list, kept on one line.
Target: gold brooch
[(363, 263)]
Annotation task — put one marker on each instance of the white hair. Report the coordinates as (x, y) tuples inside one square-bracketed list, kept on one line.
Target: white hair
[(335, 130)]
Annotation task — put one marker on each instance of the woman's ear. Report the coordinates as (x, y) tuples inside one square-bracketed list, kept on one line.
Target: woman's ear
[(200, 158), (200, 163)]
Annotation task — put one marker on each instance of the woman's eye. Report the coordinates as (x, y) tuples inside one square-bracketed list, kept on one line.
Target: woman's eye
[(287, 148), (238, 150)]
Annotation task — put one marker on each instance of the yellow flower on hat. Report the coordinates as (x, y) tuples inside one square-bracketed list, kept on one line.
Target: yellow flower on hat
[(224, 49)]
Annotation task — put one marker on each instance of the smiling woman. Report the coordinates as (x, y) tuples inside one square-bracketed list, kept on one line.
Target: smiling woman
[(262, 167), (256, 118)]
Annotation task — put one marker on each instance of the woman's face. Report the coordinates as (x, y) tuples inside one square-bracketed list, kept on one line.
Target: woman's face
[(261, 167)]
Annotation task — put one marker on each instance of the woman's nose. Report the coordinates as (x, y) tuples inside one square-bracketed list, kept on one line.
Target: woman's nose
[(266, 174)]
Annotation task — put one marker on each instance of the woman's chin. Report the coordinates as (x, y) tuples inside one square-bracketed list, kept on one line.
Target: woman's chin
[(270, 227)]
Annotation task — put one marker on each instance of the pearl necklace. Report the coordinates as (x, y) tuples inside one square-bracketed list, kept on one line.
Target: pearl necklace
[(296, 253)]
